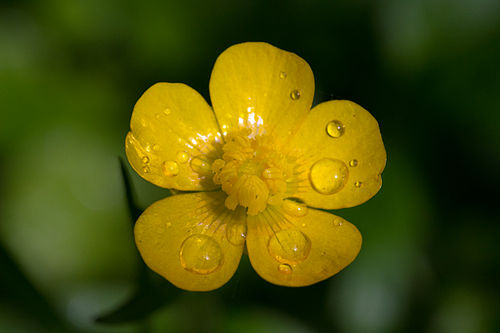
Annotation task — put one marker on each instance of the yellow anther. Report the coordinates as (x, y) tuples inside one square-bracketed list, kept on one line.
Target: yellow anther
[(251, 172)]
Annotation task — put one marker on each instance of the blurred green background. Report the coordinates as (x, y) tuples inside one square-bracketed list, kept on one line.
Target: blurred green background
[(70, 73)]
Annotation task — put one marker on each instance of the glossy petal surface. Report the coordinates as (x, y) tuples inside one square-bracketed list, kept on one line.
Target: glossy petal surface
[(259, 86), (292, 247), (192, 239), (343, 156), (173, 138)]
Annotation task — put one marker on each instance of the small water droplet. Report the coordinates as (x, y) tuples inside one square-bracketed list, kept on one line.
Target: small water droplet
[(289, 246), (328, 176), (145, 159), (145, 169), (143, 122), (201, 166), (337, 222), (157, 116), (285, 268), (156, 147), (170, 168), (358, 184), (168, 224), (236, 233), (294, 208), (182, 157), (200, 254), (353, 163), (335, 129), (167, 111), (295, 94), (282, 75)]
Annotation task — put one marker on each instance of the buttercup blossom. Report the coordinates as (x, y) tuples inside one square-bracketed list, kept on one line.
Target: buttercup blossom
[(258, 161)]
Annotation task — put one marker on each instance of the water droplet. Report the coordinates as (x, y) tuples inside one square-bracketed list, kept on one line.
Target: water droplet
[(143, 122), (294, 208), (201, 166), (285, 268), (145, 169), (182, 157), (289, 246), (145, 159), (353, 163), (337, 222), (157, 116), (282, 75), (328, 176), (295, 94), (335, 129), (200, 254), (358, 184), (236, 233), (156, 147), (167, 111), (169, 224), (170, 168)]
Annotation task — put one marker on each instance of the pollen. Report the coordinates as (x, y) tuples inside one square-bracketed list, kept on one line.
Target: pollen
[(252, 172)]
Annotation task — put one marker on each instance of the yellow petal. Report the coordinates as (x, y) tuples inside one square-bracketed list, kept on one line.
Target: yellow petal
[(343, 156), (192, 240), (259, 86), (174, 138), (297, 246)]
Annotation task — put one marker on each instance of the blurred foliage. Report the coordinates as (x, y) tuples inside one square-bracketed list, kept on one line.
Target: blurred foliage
[(70, 73)]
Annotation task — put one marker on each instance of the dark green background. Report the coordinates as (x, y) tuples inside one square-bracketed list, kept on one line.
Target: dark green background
[(70, 73)]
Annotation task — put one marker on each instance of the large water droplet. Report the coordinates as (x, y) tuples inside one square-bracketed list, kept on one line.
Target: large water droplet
[(285, 268), (236, 233), (335, 129), (145, 159), (289, 246), (294, 208), (200, 254), (328, 176), (282, 75), (358, 184), (353, 163), (182, 156), (201, 166), (295, 94), (170, 168), (145, 169)]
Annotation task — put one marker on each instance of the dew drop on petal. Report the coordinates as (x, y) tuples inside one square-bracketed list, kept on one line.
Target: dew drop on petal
[(294, 208), (145, 159), (156, 147), (182, 156), (285, 268), (282, 75), (201, 166), (167, 111), (295, 94), (353, 163), (335, 129), (328, 176), (337, 222), (358, 184), (236, 233), (145, 169), (200, 254), (289, 246), (170, 168)]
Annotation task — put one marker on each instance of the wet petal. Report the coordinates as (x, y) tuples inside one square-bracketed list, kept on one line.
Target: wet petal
[(174, 138), (298, 246), (192, 240), (342, 156), (262, 87)]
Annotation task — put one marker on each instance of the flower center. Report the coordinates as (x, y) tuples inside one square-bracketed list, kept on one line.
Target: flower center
[(252, 172)]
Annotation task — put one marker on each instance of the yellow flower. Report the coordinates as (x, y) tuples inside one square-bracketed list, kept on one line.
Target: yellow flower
[(259, 159)]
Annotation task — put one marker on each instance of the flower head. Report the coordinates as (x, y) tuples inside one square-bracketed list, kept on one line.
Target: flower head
[(259, 160)]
